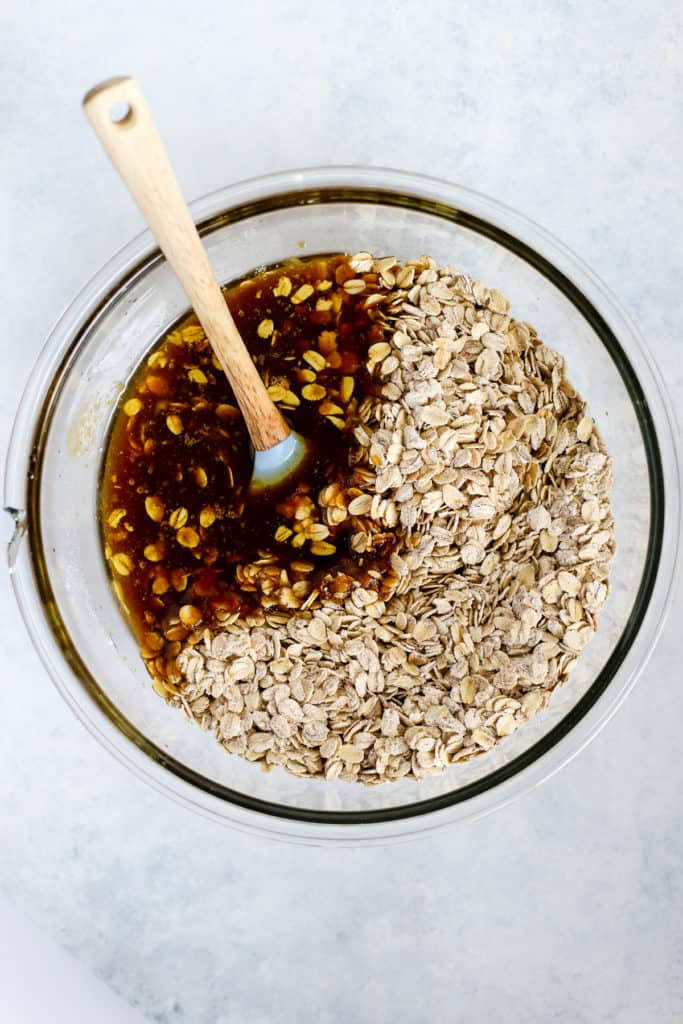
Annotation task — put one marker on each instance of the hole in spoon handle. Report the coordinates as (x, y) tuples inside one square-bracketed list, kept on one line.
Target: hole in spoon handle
[(120, 112)]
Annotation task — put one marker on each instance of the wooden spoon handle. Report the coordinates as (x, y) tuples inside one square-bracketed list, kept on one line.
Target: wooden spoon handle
[(118, 112)]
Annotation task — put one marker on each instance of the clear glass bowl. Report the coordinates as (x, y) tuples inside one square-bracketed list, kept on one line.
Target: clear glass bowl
[(55, 456)]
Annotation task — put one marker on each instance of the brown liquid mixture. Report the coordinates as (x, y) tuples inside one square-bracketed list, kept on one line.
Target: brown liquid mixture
[(186, 542)]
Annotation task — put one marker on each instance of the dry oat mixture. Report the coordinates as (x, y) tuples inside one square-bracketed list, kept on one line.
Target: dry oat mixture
[(476, 505)]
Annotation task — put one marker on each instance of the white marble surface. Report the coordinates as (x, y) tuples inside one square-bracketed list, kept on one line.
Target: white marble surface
[(565, 906), (68, 990)]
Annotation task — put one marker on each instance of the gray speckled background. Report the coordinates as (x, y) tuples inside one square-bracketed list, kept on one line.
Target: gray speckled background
[(565, 906)]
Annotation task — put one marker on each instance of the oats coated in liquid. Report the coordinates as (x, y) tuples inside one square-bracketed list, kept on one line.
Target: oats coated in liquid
[(186, 542)]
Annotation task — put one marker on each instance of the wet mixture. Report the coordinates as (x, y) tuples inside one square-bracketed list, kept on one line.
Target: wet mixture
[(186, 540)]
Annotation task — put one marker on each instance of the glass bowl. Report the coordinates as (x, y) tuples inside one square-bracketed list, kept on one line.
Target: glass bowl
[(55, 455)]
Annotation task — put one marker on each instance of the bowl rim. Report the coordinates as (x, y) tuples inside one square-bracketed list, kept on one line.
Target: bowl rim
[(587, 293)]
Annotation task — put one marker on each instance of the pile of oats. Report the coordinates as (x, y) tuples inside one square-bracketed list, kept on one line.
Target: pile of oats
[(479, 454)]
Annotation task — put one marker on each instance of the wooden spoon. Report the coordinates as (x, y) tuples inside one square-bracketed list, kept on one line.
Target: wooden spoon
[(118, 112)]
